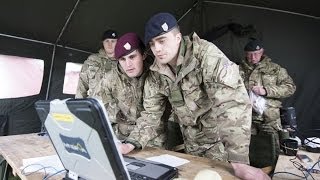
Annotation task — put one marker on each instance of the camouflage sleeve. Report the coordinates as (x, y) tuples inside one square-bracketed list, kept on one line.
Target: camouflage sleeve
[(83, 82), (150, 125), (103, 92), (231, 105), (87, 72), (241, 72), (284, 87)]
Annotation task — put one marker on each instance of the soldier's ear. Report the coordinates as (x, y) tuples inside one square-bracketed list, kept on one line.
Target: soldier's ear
[(178, 37)]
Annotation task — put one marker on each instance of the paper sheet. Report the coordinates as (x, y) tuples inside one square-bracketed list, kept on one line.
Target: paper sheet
[(169, 160), (52, 164)]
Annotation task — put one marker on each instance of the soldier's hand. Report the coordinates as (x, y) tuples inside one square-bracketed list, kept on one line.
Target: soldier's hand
[(259, 90), (247, 172), (125, 148)]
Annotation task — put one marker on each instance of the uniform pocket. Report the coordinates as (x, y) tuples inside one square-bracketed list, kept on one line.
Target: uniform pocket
[(269, 80)]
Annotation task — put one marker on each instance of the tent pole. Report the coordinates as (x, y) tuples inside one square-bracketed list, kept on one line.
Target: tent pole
[(50, 72), (264, 8), (43, 42), (55, 45), (194, 5), (67, 22)]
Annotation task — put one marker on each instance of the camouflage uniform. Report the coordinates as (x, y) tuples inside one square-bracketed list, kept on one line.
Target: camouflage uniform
[(209, 99), (278, 84), (122, 97), (92, 71)]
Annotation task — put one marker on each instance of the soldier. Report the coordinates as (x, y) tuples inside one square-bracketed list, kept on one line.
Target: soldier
[(97, 65), (206, 93), (121, 88), (272, 82)]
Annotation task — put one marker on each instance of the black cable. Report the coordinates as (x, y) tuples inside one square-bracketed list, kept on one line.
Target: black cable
[(282, 172), (301, 168), (311, 141), (302, 135), (49, 176), (42, 168), (311, 175), (294, 164), (318, 162), (305, 176), (308, 172), (27, 174)]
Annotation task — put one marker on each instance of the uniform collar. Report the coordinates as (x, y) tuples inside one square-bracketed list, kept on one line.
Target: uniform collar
[(185, 62), (102, 53)]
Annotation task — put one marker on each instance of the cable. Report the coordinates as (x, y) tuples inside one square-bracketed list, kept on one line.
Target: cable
[(282, 172), (312, 167), (301, 168), (42, 168), (295, 164), (302, 135), (27, 174), (312, 140), (49, 176)]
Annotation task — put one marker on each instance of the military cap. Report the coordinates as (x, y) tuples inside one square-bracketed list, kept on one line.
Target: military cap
[(159, 24), (109, 34), (128, 43), (253, 45)]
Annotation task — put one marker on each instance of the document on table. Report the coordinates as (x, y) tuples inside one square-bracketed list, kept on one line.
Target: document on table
[(52, 164), (169, 160)]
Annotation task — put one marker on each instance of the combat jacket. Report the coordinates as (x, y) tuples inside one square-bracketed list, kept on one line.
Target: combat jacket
[(122, 97), (93, 69), (207, 95), (276, 81)]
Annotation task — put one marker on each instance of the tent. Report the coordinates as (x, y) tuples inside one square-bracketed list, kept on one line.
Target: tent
[(63, 31)]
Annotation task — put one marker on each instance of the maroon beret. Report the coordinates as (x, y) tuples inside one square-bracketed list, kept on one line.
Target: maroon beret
[(128, 43)]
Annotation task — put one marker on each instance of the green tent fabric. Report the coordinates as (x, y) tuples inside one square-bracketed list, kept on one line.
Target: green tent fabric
[(289, 29)]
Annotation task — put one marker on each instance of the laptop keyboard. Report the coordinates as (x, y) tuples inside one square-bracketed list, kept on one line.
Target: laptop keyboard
[(135, 176)]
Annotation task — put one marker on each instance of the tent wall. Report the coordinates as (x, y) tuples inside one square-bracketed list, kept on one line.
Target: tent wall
[(20, 112), (290, 40), (62, 56)]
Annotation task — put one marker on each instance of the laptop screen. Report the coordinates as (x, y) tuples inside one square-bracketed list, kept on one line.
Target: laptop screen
[(83, 138)]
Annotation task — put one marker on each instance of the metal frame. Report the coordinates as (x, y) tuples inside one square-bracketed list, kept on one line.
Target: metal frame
[(263, 8), (55, 46)]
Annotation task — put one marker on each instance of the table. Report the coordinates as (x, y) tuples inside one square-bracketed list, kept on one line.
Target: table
[(17, 147), (285, 165)]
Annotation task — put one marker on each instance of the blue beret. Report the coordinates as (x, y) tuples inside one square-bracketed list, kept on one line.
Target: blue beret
[(253, 45), (158, 24), (126, 44), (109, 34)]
